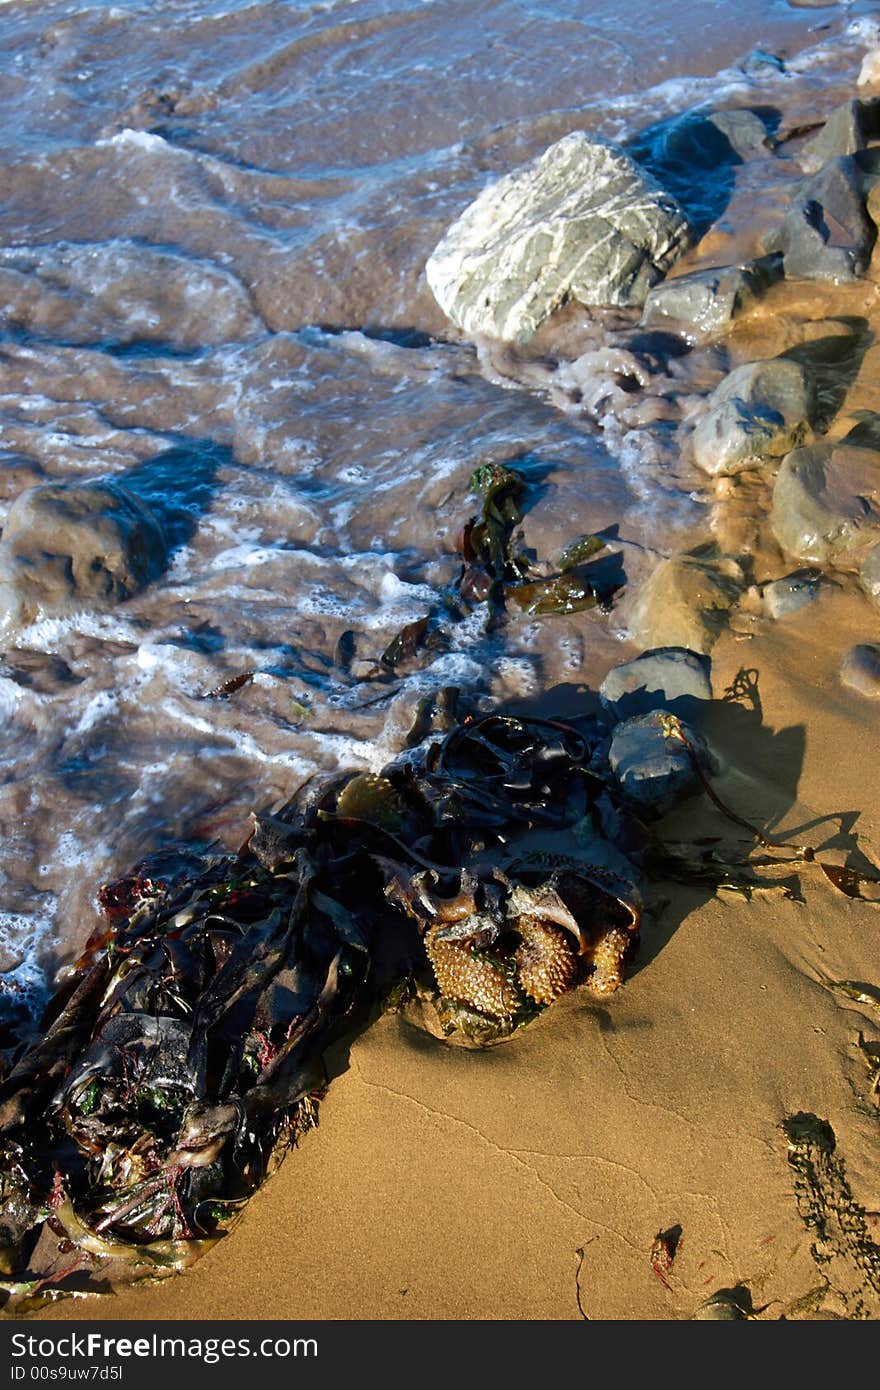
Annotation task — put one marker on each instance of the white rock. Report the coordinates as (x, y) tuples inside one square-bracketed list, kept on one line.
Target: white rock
[(869, 73), (581, 222)]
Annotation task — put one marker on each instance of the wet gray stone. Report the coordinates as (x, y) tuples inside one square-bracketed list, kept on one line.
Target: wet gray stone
[(826, 233), (759, 63), (73, 546), (846, 131), (744, 130), (826, 503), (704, 301), (860, 670), (869, 574), (670, 678), (582, 222), (654, 771), (792, 593), (760, 411)]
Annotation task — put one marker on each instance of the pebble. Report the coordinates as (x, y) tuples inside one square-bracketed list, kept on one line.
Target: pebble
[(788, 595), (860, 670), (671, 678), (654, 771)]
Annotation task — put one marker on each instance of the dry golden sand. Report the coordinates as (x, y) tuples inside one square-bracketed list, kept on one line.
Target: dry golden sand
[(450, 1184)]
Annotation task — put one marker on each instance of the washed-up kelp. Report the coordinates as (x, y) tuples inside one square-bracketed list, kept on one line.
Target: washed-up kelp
[(499, 571), (473, 882)]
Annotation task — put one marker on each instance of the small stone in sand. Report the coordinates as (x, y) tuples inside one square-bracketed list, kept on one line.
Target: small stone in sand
[(685, 603), (846, 131), (860, 670), (869, 72), (704, 301), (654, 771), (826, 502), (744, 130), (670, 678), (826, 233), (788, 595), (73, 546), (869, 574)]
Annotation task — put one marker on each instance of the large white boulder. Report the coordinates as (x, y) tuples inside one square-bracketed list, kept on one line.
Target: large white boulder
[(581, 222)]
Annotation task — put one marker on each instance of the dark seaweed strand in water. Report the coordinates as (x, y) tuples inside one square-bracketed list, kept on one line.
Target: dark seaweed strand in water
[(184, 1055)]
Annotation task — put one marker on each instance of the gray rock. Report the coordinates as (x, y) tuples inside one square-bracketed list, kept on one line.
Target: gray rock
[(869, 574), (841, 134), (744, 130), (759, 63), (73, 546), (826, 503), (654, 771), (760, 411), (685, 603), (860, 670), (582, 222), (792, 593), (670, 678), (826, 233), (704, 301)]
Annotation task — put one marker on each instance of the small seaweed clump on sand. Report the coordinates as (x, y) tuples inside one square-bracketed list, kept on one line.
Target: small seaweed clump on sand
[(472, 882)]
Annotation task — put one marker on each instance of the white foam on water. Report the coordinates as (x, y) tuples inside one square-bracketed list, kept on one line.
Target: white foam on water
[(136, 139), (11, 695), (29, 936), (102, 706), (52, 634)]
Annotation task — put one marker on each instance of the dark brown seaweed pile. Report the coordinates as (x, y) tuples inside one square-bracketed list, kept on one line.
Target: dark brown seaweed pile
[(473, 882)]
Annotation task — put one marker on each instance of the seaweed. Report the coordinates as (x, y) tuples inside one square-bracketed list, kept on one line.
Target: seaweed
[(499, 571), (184, 1055), (481, 875)]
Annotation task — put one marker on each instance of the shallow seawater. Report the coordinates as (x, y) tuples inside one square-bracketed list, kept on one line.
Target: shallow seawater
[(213, 231)]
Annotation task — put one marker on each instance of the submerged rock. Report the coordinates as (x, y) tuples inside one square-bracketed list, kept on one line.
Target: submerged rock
[(869, 573), (744, 130), (761, 410), (860, 670), (581, 222), (792, 593), (826, 502), (826, 233), (706, 300), (654, 770), (670, 678), (686, 603), (847, 130), (69, 546)]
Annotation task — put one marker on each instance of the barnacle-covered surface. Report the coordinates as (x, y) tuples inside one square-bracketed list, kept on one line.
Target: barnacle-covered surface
[(473, 881)]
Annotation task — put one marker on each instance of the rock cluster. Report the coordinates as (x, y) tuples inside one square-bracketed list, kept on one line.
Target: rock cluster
[(767, 418)]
